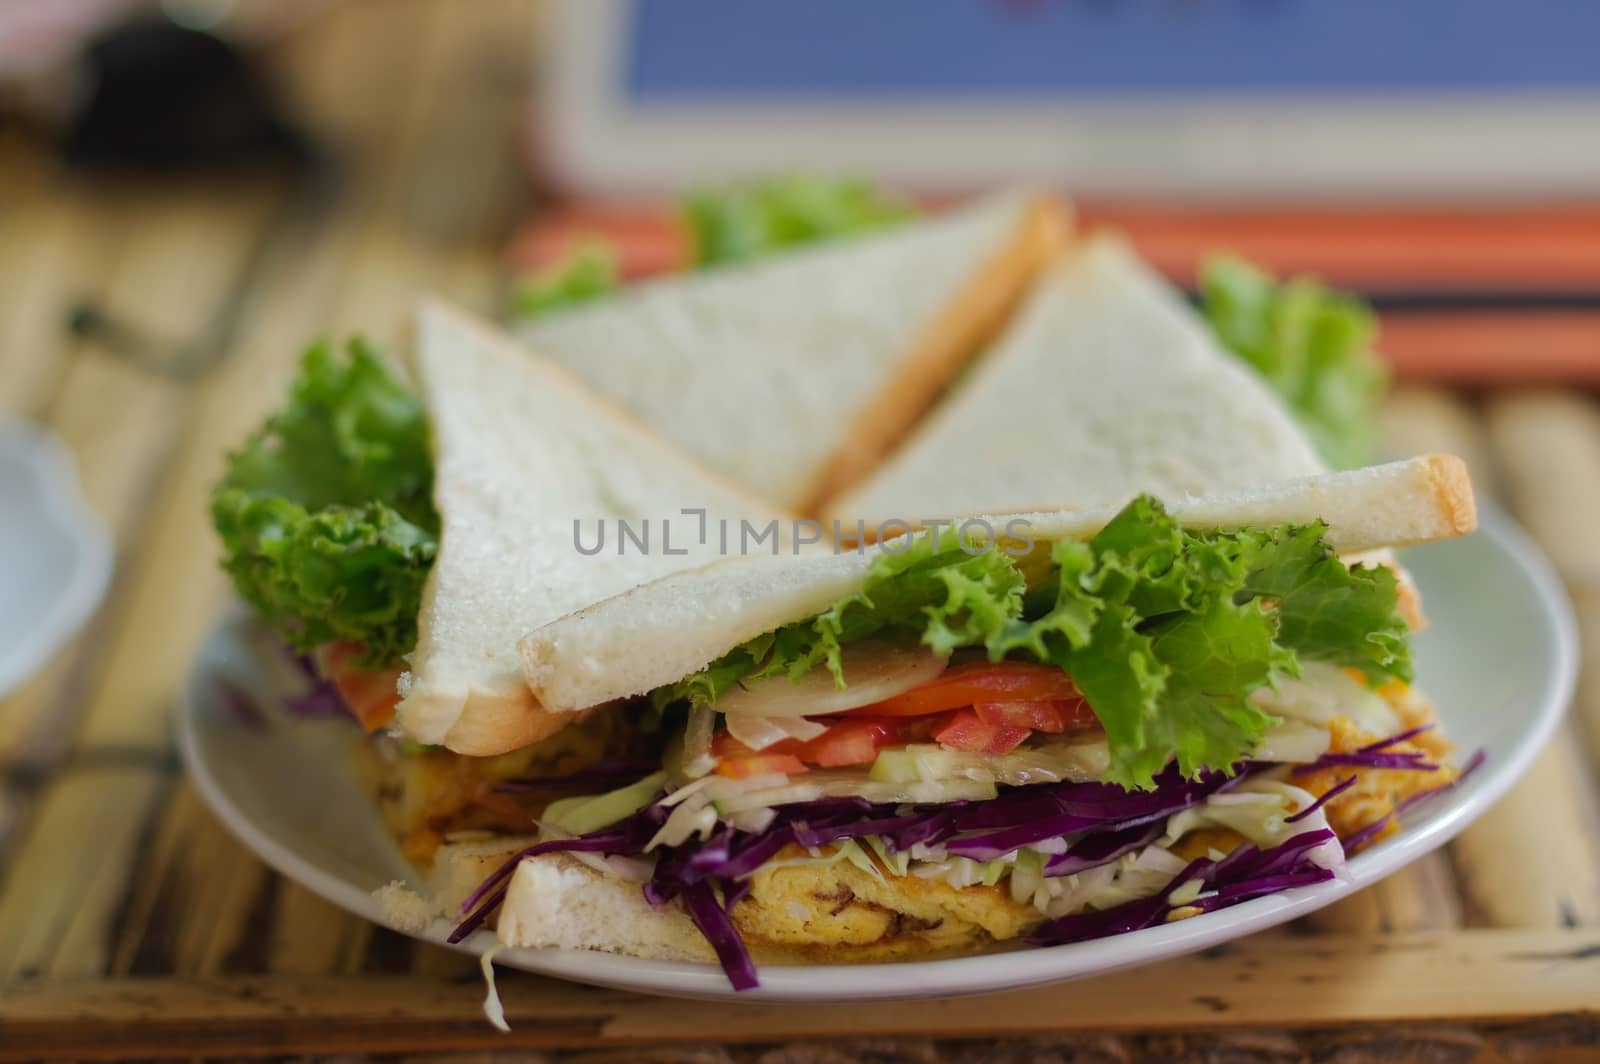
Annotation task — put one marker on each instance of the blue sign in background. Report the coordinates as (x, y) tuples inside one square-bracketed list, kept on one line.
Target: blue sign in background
[(710, 49)]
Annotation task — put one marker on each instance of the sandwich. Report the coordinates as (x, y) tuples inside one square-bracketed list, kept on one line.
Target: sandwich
[(405, 541), (1041, 727), (1145, 395), (402, 542), (1107, 367), (1045, 724), (790, 375)]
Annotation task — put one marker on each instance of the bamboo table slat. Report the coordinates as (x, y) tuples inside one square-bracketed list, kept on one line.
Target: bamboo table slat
[(132, 924)]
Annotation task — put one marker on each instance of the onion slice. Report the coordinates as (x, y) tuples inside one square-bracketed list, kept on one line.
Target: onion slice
[(873, 671), (759, 733), (697, 758)]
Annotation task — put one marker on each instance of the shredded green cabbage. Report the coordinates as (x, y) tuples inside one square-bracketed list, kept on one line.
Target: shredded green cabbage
[(493, 1010), (582, 814)]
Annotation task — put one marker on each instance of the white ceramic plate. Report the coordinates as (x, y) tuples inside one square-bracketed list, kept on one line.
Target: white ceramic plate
[(1500, 661), (58, 554)]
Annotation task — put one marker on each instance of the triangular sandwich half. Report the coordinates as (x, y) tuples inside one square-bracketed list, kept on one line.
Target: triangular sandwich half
[(791, 376), (528, 462), (1054, 726), (1104, 383)]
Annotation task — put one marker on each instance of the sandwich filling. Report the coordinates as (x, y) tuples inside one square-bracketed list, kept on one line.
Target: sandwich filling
[(988, 741), (1074, 740)]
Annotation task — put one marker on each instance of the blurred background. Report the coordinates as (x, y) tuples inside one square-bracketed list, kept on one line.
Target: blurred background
[(1440, 155), (191, 190)]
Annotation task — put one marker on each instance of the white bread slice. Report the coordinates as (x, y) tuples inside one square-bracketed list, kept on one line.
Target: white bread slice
[(1128, 390), (661, 632), (459, 868), (792, 375), (523, 452), (557, 901), (551, 901), (1105, 383)]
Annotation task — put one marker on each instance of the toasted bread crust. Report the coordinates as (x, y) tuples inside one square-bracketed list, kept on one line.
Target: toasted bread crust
[(1452, 492), (1409, 600), (976, 315), (597, 654), (498, 724)]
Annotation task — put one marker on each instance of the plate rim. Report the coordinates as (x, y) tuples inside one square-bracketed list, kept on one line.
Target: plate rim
[(993, 971), (50, 465)]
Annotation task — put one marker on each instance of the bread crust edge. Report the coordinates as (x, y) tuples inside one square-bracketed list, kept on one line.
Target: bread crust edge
[(1451, 485), (977, 314)]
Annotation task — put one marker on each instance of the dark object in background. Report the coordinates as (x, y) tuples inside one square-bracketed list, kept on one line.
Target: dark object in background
[(162, 97)]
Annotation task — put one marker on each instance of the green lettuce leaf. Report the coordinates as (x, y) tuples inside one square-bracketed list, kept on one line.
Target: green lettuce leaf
[(741, 222), (1166, 631), (724, 224), (934, 591), (326, 513), (1327, 611), (1314, 347), (588, 272)]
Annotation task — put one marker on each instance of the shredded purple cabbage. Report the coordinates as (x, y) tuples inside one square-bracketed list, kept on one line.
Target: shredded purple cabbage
[(713, 921), (1069, 808), (622, 838), (321, 699), (1115, 822), (1331, 793), (1384, 744), (711, 875), (1247, 872), (1378, 755), (1101, 848), (1378, 759), (1364, 835)]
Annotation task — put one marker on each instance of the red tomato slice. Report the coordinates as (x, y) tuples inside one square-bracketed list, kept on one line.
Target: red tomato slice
[(370, 693), (1052, 716), (980, 681), (762, 764), (850, 742), (964, 731)]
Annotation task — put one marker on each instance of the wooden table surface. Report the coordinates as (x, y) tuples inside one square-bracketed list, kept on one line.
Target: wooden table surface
[(131, 924)]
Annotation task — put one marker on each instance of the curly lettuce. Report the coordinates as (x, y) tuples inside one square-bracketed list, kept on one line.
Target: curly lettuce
[(587, 273), (733, 223), (1165, 630), (1168, 631), (933, 591), (326, 513), (742, 222), (1311, 344)]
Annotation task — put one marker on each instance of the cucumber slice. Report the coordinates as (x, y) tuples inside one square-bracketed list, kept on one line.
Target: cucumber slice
[(581, 815)]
